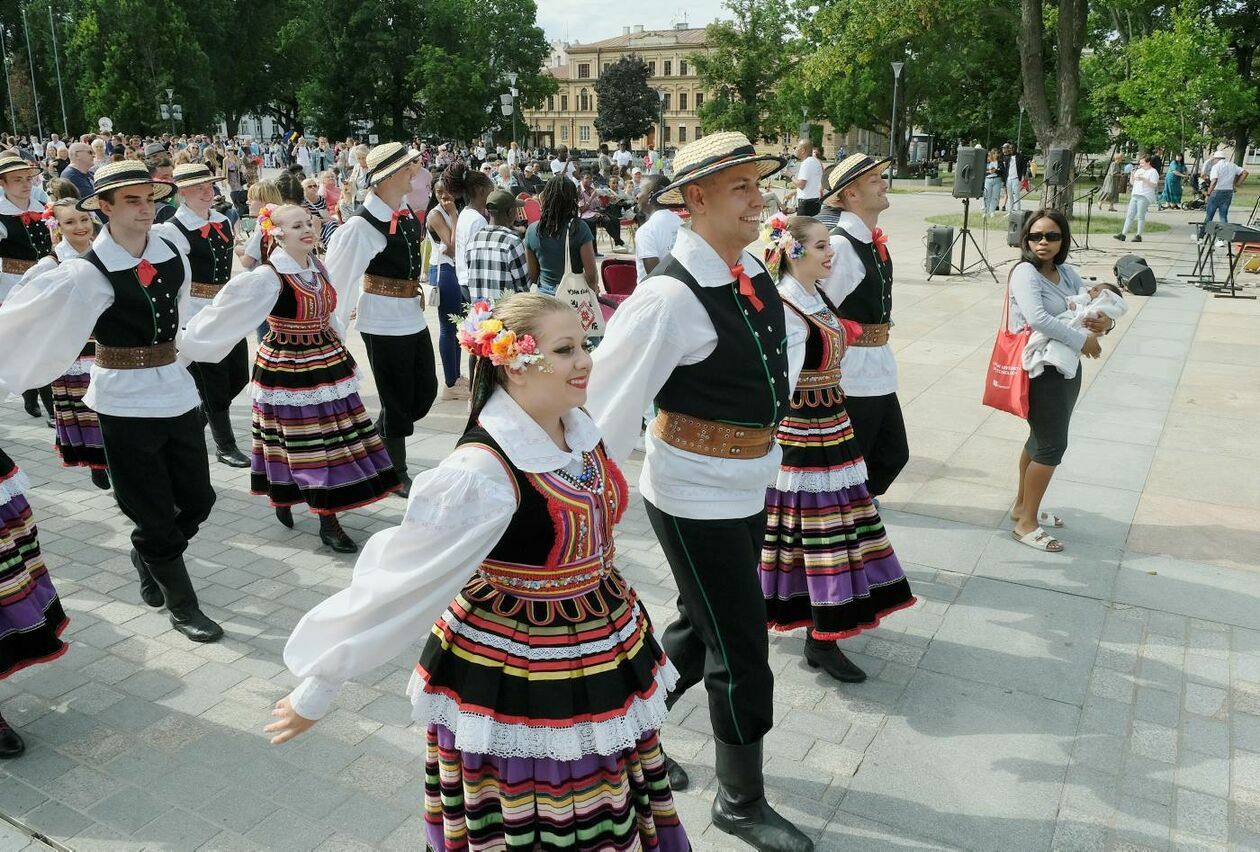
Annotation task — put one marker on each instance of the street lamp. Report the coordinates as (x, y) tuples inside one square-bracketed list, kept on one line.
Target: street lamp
[(512, 78), (171, 110), (1019, 128), (892, 136), (660, 143)]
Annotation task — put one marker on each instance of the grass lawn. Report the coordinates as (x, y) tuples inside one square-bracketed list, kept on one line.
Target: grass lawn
[(1099, 224)]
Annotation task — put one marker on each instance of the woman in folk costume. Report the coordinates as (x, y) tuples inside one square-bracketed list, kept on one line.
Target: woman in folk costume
[(541, 685), (313, 442), (827, 564), (79, 442), (31, 617)]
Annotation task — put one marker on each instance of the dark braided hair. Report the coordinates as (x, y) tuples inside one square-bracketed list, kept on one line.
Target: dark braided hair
[(559, 206)]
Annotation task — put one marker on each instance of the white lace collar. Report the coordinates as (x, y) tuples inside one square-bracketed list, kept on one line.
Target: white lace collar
[(526, 444), (703, 262), (794, 291), (185, 214), (284, 263)]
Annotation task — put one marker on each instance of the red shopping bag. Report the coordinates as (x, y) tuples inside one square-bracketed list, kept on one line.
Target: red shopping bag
[(1006, 383)]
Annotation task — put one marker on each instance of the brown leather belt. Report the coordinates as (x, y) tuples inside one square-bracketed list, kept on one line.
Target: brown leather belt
[(395, 288), (201, 290), (873, 334), (710, 438), (135, 357), (818, 379), (14, 266)]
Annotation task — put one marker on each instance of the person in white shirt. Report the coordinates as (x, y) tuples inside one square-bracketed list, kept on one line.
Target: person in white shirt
[(374, 262), (705, 338), (1225, 176), (623, 158), (560, 164), (860, 286), (654, 239), (131, 293), (1144, 181), (808, 181)]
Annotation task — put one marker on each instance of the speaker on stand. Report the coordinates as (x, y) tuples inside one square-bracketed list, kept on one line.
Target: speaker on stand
[(940, 255), (968, 184), (1015, 226)]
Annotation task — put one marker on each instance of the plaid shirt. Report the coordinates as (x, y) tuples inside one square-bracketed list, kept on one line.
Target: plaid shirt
[(496, 263)]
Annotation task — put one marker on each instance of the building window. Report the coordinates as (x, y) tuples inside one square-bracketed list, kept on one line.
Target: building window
[(668, 96), (564, 133), (669, 67), (699, 103), (606, 64), (682, 134), (584, 101), (564, 103), (699, 132), (682, 101), (652, 68), (682, 68), (667, 130), (584, 133), (584, 70), (551, 103)]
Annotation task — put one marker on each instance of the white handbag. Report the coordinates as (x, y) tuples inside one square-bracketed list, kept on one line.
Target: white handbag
[(574, 290)]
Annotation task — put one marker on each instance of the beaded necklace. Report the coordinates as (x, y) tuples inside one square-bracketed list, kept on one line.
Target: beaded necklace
[(589, 479)]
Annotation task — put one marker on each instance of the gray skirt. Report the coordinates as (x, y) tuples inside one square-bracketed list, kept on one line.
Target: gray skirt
[(1051, 398)]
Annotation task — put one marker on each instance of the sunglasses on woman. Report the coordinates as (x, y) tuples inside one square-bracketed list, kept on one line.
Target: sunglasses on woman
[(1044, 236)]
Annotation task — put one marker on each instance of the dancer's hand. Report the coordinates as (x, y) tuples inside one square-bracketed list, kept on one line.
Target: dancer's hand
[(290, 724)]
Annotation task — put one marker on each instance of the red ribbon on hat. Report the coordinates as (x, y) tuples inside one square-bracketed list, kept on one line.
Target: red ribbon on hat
[(218, 226), (404, 213), (146, 272), (880, 240), (30, 217), (746, 286)]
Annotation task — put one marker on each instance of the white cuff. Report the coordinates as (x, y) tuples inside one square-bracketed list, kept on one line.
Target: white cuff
[(313, 698)]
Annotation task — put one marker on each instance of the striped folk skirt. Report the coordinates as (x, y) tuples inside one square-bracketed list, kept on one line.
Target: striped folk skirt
[(31, 617), (826, 563), (313, 441), (78, 431), (542, 720)]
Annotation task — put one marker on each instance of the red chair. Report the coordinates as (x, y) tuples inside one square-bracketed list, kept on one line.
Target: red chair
[(619, 277)]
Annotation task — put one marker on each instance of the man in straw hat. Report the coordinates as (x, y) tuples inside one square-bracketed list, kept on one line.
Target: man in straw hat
[(860, 284), (374, 261), (129, 292), (704, 338), (204, 236)]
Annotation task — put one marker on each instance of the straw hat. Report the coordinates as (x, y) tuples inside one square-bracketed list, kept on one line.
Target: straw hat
[(384, 160), (124, 173), (11, 163), (193, 174), (710, 155), (848, 170)]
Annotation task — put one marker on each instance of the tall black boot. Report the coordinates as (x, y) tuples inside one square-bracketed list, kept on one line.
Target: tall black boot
[(397, 449), (150, 592), (100, 478), (678, 777), (224, 441), (30, 401), (181, 601), (331, 534), (45, 396), (741, 808), (11, 744)]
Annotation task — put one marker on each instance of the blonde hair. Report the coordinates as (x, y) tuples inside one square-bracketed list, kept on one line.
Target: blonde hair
[(265, 191)]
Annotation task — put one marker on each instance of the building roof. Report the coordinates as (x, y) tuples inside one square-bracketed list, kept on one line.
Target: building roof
[(647, 38), (560, 72)]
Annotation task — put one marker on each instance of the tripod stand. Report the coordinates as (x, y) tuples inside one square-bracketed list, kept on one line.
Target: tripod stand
[(1089, 215), (962, 237)]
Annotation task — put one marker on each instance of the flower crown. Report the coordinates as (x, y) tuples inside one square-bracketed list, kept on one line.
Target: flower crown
[(780, 242), (481, 334), (267, 223)]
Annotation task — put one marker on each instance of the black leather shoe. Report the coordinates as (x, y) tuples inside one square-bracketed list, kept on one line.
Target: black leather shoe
[(150, 591), (331, 534), (397, 449), (284, 514), (828, 657), (678, 777), (196, 625), (100, 478), (231, 456), (50, 421), (30, 401), (11, 744), (224, 441), (741, 808), (181, 601)]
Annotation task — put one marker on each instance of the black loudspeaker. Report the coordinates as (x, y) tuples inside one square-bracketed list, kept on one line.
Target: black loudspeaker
[(1058, 167), (1134, 275), (1014, 225), (969, 173), (940, 260)]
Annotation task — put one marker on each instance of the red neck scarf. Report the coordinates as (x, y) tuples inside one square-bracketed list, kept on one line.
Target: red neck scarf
[(746, 286)]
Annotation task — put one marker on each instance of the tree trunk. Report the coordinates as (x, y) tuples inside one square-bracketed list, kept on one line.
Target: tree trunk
[(232, 123)]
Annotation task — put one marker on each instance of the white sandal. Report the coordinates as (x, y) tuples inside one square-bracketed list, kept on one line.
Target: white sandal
[(1048, 519), (1039, 539)]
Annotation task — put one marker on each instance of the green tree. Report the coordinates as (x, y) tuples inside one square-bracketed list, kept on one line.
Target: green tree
[(628, 107), (37, 27), (748, 58)]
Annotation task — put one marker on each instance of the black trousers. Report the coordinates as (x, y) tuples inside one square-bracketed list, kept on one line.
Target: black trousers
[(161, 479), (809, 207), (218, 383), (881, 433), (720, 635), (406, 379)]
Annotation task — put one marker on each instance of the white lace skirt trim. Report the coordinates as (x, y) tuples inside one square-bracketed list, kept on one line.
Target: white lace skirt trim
[(315, 396), (819, 481), (477, 734), (15, 486), (80, 367)]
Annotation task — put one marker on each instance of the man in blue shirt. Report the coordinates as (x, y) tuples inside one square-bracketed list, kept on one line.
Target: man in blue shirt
[(78, 170)]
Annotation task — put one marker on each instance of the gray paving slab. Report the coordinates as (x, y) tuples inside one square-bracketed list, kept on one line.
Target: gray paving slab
[(1198, 590)]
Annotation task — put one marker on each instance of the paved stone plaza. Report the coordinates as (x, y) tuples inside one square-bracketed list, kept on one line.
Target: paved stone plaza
[(1104, 698)]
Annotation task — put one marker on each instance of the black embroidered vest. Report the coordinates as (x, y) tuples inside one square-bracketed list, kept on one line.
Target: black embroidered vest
[(209, 257), (25, 241), (871, 302), (401, 257), (140, 316), (745, 379)]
